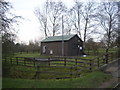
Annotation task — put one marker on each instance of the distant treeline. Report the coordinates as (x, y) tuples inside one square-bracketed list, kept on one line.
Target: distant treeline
[(10, 48)]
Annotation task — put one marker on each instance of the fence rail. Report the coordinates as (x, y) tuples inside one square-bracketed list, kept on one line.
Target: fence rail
[(59, 65)]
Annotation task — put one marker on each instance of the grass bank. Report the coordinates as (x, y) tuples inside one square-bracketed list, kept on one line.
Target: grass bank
[(90, 80), (24, 54)]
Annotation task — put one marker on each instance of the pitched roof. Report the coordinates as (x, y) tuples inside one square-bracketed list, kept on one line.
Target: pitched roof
[(58, 38)]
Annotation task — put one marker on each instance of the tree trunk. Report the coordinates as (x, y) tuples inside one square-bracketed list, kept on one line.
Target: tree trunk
[(79, 21), (85, 30), (106, 55)]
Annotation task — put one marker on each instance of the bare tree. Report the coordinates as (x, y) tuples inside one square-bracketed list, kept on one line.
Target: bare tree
[(6, 22), (49, 17), (43, 18), (87, 12), (7, 32), (56, 9), (107, 18), (76, 11), (68, 24), (118, 30), (82, 18)]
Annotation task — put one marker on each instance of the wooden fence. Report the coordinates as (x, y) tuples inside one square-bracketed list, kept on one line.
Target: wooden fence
[(66, 67)]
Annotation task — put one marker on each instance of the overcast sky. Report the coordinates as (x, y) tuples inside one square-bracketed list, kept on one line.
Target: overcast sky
[(29, 27)]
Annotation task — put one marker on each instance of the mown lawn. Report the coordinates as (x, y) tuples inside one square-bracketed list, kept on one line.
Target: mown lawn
[(22, 71), (101, 51), (30, 54), (42, 56), (91, 80), (87, 80)]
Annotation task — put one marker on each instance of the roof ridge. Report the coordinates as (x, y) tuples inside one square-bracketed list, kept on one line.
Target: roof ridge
[(63, 35), (58, 38)]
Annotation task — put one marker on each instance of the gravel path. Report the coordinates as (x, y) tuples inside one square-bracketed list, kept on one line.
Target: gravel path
[(109, 84), (114, 70)]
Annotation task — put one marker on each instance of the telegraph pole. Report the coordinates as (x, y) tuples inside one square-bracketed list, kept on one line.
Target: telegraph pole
[(62, 38)]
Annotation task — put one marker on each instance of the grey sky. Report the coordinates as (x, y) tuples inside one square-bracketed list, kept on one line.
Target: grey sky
[(29, 27)]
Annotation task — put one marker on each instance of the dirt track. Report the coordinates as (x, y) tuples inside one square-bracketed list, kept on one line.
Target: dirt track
[(113, 69)]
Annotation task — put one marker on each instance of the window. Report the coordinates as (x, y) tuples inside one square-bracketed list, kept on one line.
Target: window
[(51, 51), (44, 49)]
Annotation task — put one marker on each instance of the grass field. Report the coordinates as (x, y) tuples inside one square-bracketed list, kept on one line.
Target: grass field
[(53, 71), (13, 78), (22, 71), (80, 58), (100, 51), (91, 53), (30, 54), (91, 80)]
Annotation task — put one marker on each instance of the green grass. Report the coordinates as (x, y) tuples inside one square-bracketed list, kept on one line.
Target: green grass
[(55, 63), (23, 72), (101, 51), (24, 54), (1, 83), (87, 79), (27, 55), (91, 80), (17, 71)]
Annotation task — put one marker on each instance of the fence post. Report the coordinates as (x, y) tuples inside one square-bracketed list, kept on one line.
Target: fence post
[(24, 61), (98, 62), (103, 59), (37, 68), (37, 72), (17, 60), (90, 65), (64, 61), (76, 61), (34, 62), (11, 60), (5, 59), (76, 64), (106, 58), (76, 68), (111, 57), (71, 72), (49, 61), (27, 51)]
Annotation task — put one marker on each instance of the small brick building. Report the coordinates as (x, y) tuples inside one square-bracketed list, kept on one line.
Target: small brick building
[(66, 45)]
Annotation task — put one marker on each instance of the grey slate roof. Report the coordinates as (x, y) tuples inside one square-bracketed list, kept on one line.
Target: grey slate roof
[(58, 38)]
